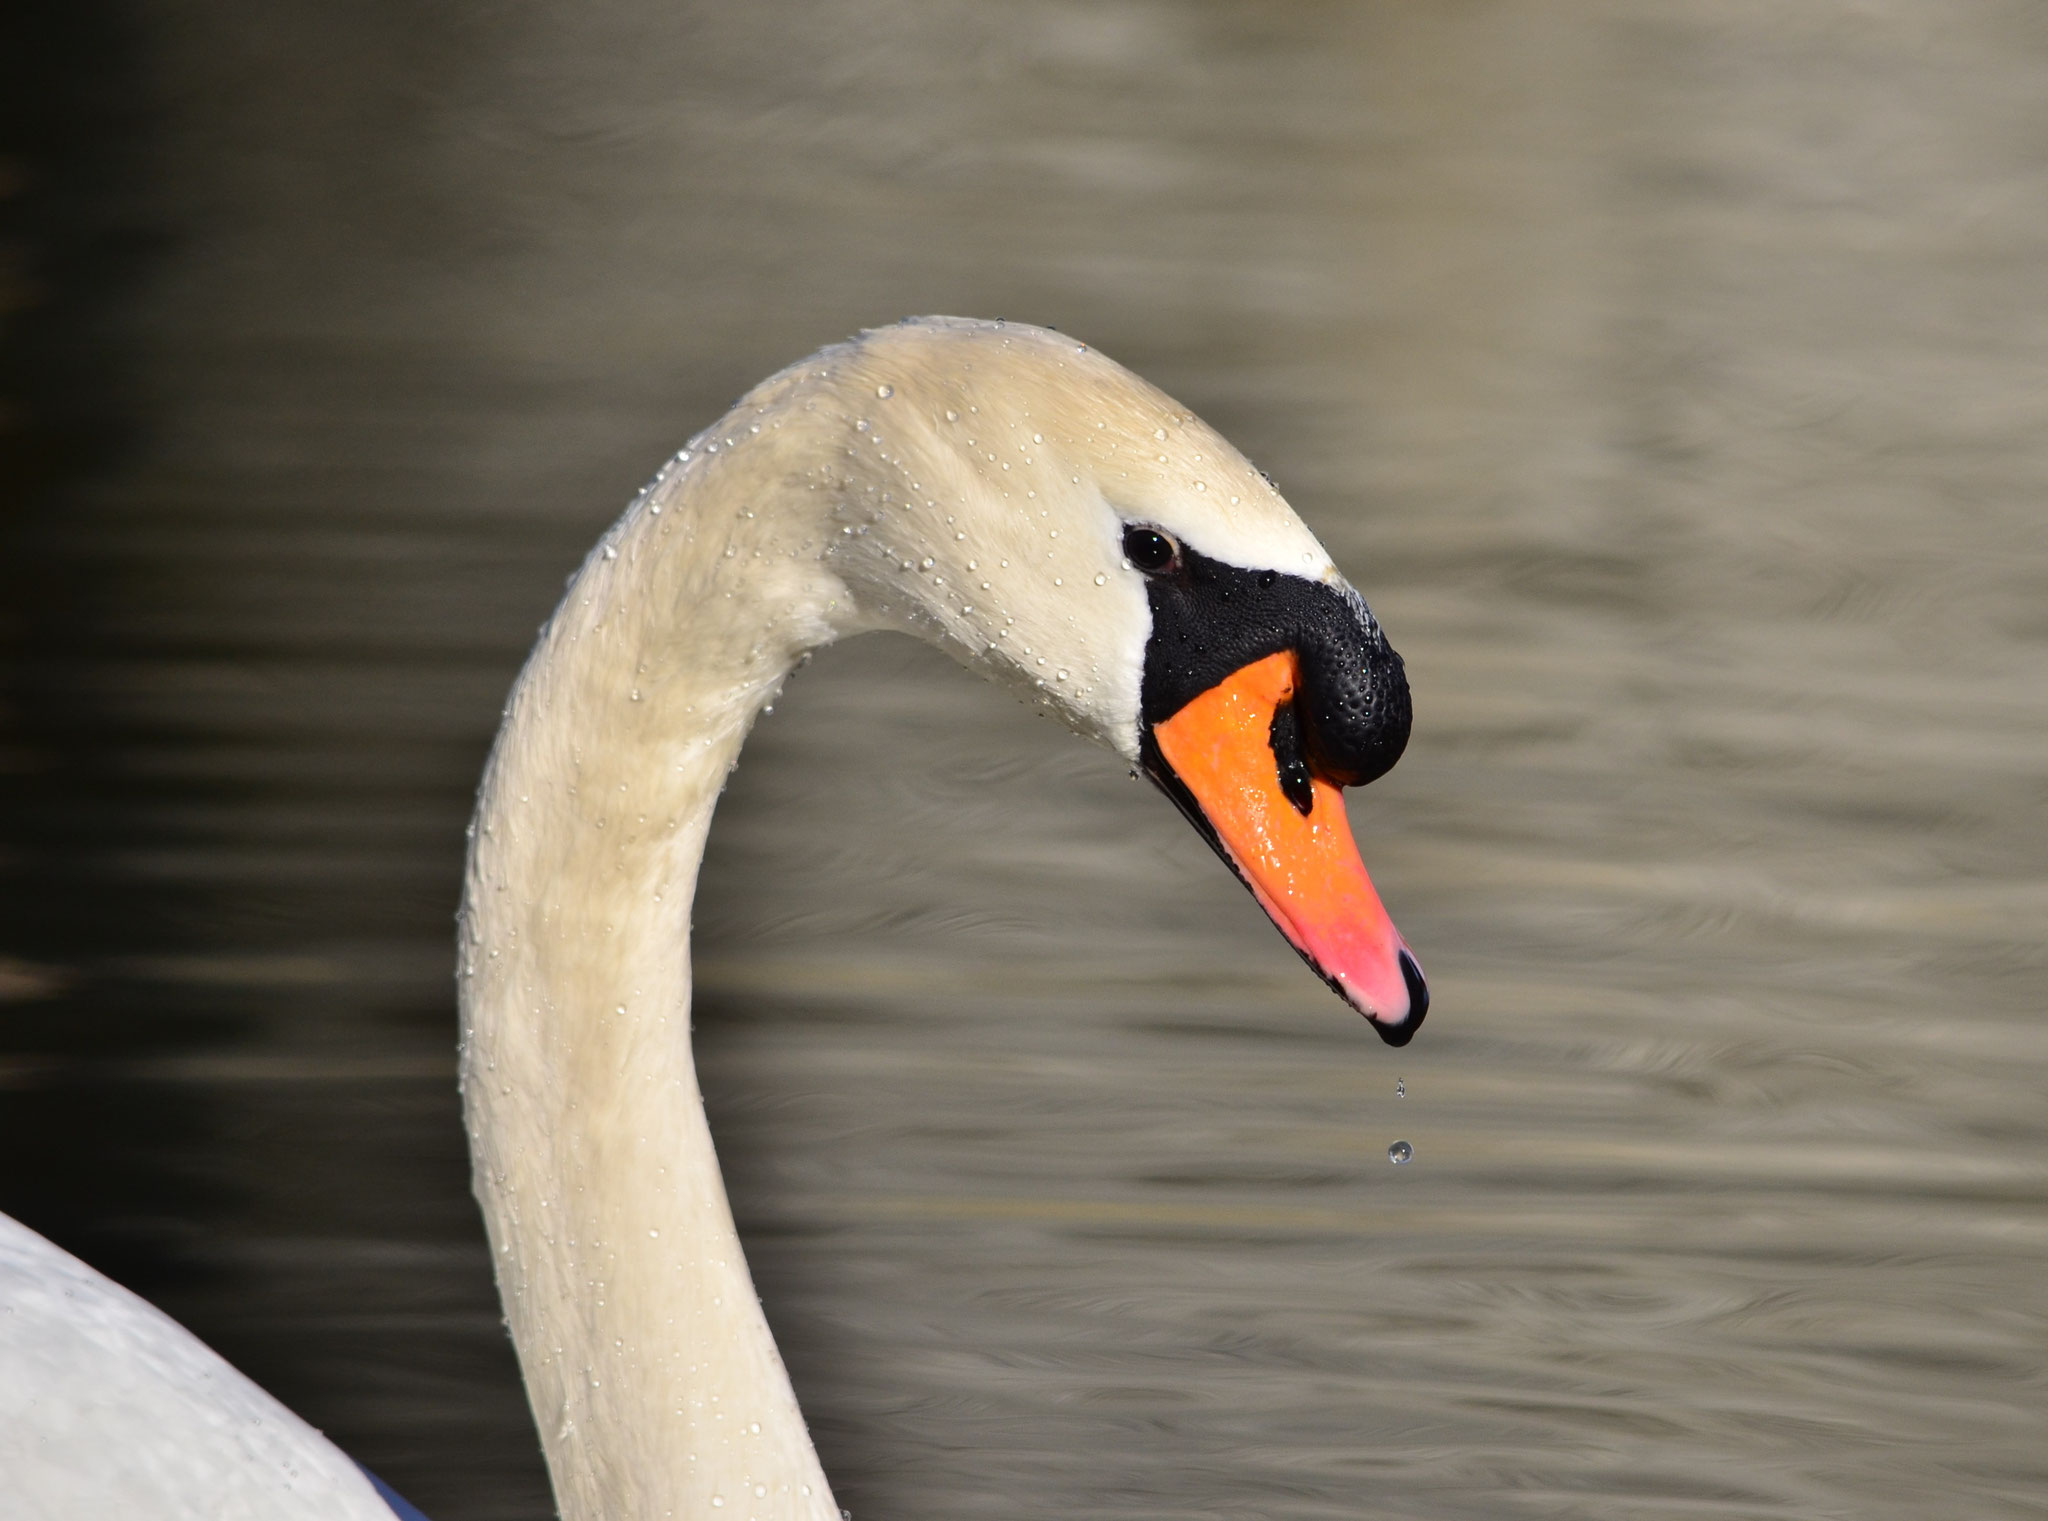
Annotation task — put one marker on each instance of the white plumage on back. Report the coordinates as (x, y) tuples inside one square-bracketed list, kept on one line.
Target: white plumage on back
[(111, 1409)]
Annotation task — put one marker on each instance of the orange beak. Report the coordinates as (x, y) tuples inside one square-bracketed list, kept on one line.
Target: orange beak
[(1225, 749)]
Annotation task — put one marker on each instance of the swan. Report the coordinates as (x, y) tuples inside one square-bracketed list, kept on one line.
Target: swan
[(1004, 491)]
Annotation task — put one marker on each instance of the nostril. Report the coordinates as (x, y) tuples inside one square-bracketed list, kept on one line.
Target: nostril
[(1295, 783)]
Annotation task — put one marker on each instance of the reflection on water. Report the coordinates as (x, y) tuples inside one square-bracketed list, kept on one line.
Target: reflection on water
[(1673, 386)]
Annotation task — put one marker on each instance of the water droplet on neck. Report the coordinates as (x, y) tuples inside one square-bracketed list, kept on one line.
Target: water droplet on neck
[(1400, 1152)]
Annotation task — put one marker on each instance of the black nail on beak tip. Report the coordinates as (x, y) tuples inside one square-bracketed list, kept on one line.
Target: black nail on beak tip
[(1418, 1005)]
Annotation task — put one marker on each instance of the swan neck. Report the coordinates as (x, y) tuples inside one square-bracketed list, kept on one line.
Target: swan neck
[(652, 1374)]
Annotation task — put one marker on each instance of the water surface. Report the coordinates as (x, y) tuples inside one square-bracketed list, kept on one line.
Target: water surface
[(1673, 385)]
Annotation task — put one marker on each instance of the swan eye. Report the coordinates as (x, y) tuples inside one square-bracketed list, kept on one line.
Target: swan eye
[(1150, 550)]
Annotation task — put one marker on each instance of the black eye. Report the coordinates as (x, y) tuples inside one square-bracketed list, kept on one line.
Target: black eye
[(1150, 550)]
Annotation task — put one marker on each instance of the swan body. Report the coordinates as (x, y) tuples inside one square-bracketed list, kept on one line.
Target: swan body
[(1056, 524), (108, 1407)]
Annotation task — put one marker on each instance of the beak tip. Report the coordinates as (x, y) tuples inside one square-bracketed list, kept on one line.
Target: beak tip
[(1398, 1033)]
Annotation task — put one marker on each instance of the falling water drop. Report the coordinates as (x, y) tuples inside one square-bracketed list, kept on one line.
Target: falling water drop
[(1400, 1088), (1400, 1152)]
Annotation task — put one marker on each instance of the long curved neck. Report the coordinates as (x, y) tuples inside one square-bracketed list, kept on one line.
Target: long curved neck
[(920, 478), (654, 1380)]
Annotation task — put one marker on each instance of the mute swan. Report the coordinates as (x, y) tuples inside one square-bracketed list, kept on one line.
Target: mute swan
[(1038, 511)]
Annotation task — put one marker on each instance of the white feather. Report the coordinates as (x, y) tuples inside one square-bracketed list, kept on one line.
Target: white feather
[(109, 1408)]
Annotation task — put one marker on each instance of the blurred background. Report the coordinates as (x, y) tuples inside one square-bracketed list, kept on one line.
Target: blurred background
[(1674, 381)]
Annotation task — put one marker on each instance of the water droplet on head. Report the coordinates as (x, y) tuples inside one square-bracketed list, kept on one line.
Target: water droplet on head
[(1400, 1152), (1101, 579), (885, 391), (861, 426), (951, 415)]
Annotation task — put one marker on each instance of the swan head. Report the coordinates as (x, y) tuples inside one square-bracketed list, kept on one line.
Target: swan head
[(1075, 533)]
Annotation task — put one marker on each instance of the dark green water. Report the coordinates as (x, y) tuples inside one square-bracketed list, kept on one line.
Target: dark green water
[(1674, 383)]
